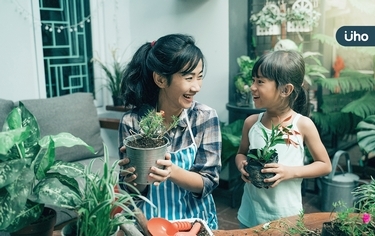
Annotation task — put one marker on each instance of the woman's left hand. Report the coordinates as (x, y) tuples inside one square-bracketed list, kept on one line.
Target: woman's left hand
[(160, 175)]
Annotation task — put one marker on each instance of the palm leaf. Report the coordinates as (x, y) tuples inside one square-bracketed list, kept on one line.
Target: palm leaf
[(363, 106)]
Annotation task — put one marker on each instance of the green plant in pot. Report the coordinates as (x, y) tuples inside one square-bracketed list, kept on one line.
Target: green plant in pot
[(102, 207), (366, 137), (243, 80), (113, 73), (149, 145), (357, 220), (257, 158), (30, 176)]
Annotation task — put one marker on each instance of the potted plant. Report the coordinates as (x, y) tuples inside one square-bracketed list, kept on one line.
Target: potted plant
[(243, 80), (357, 220), (149, 145), (30, 176), (257, 158), (268, 20), (113, 73), (302, 18), (102, 206)]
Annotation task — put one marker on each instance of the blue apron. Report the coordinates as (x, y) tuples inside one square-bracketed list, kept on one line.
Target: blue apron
[(173, 202)]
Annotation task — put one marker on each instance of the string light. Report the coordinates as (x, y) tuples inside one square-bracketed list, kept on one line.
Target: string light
[(51, 27)]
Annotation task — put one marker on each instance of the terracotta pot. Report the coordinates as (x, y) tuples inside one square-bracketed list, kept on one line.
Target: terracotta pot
[(42, 227), (254, 169)]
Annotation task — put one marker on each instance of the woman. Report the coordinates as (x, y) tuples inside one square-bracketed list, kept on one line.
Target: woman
[(165, 75)]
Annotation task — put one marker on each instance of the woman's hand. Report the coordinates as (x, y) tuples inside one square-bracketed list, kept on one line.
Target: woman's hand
[(156, 174)]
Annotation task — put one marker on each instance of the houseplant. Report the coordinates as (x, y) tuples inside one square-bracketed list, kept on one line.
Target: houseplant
[(27, 164), (257, 158), (357, 220), (101, 206), (302, 19), (366, 139), (149, 145), (113, 73), (268, 20), (243, 80)]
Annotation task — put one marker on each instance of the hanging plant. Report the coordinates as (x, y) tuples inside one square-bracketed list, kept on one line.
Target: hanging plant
[(268, 20)]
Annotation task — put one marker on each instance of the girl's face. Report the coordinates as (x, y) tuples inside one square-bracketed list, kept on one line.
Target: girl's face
[(180, 94), (264, 92)]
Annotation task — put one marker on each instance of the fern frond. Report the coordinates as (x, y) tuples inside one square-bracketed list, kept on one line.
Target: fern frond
[(362, 107)]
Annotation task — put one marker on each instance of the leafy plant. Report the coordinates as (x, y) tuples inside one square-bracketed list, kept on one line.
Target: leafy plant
[(102, 206), (268, 16), (243, 80), (152, 130), (231, 138), (113, 73), (279, 134), (29, 175), (152, 125), (304, 16), (366, 134)]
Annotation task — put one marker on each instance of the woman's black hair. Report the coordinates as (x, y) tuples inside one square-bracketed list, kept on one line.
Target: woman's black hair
[(168, 55), (285, 67)]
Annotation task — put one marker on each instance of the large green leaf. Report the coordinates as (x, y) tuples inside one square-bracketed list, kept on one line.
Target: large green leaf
[(366, 134), (64, 140), (51, 191), (231, 137), (11, 170), (31, 213), (9, 138), (362, 107)]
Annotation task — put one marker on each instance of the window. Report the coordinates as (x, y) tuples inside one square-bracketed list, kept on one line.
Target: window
[(67, 46)]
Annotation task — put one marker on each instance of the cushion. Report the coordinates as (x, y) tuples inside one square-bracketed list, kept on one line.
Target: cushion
[(74, 113), (5, 107)]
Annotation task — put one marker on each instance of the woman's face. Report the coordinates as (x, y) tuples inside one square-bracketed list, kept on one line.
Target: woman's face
[(180, 94)]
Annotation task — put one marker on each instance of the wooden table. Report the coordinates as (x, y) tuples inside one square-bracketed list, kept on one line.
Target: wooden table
[(312, 221)]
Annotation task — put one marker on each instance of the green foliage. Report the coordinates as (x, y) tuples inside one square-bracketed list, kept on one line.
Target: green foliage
[(268, 16), (27, 164), (113, 73), (336, 123), (244, 78), (152, 124), (279, 135), (231, 137), (299, 228), (303, 15), (366, 134)]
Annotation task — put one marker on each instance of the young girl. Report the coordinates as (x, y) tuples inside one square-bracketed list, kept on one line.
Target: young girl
[(278, 88), (165, 75)]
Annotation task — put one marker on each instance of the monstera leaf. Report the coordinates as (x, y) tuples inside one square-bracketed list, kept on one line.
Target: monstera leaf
[(366, 134)]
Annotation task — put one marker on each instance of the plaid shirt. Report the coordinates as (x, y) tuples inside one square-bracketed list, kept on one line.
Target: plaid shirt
[(205, 126)]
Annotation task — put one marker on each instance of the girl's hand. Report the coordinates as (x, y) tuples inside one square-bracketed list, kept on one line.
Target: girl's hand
[(281, 173), (244, 174)]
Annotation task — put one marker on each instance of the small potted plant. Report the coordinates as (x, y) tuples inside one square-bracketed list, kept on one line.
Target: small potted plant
[(257, 158), (149, 145), (301, 19), (113, 74), (357, 220), (243, 80), (102, 207), (268, 20), (30, 176)]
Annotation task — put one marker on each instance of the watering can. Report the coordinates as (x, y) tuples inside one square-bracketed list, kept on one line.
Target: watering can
[(338, 186)]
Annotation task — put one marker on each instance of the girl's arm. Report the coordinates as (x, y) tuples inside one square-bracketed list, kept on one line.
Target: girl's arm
[(322, 164), (241, 157)]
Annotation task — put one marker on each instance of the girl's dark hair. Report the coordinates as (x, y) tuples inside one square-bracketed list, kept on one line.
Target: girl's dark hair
[(284, 67), (168, 55)]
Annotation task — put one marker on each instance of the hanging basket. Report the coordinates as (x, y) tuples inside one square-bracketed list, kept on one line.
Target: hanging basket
[(272, 30)]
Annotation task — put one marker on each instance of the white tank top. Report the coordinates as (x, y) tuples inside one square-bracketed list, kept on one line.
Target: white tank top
[(260, 205)]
